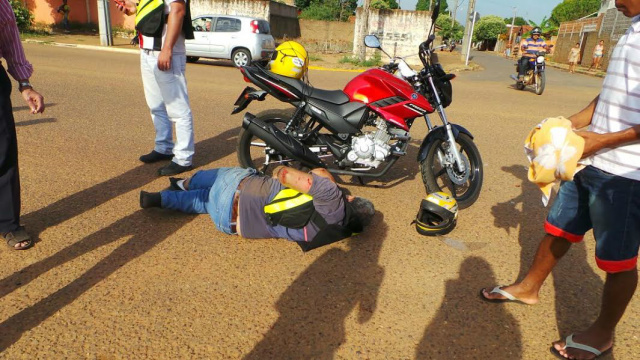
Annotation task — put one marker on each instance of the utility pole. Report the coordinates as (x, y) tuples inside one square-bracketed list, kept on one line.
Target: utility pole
[(363, 30), (453, 14), (513, 22), (104, 23), (468, 30)]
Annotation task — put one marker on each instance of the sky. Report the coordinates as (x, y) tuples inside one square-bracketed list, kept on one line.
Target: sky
[(534, 10)]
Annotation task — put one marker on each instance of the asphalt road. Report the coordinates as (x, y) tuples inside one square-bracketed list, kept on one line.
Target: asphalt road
[(109, 281)]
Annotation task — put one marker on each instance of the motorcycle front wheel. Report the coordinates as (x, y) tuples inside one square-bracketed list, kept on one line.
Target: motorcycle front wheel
[(252, 151), (541, 80), (465, 188)]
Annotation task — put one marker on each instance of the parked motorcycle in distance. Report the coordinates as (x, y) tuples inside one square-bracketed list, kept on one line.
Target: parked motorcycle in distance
[(535, 76), (363, 129)]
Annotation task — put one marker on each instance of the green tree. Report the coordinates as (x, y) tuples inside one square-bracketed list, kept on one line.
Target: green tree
[(384, 4), (446, 30), (519, 21), (489, 28), (423, 5), (23, 16), (330, 10), (546, 27), (572, 10)]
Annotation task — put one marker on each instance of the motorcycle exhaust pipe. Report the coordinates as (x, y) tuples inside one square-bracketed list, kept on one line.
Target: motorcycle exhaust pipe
[(285, 144)]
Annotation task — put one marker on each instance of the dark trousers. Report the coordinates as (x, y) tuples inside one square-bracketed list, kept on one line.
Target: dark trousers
[(523, 66), (9, 176)]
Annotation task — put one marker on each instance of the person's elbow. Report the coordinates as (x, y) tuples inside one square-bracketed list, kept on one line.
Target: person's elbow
[(178, 9)]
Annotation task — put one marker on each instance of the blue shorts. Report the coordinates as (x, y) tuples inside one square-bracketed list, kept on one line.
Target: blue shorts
[(606, 203)]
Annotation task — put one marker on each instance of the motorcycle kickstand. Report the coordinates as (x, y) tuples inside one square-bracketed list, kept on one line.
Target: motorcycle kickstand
[(360, 180)]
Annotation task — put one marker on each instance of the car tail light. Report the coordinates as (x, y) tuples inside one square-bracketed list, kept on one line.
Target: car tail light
[(254, 27)]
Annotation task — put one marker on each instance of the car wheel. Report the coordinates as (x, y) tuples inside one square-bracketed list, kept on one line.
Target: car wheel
[(192, 59), (241, 57)]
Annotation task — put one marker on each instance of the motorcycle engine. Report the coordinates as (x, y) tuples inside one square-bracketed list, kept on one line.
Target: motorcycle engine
[(371, 148)]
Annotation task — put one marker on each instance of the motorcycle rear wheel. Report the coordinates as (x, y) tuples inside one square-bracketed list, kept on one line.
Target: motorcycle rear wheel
[(251, 149), (436, 177)]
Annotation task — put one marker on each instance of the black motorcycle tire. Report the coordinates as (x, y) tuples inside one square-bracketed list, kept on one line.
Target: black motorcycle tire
[(245, 158), (541, 80), (430, 173)]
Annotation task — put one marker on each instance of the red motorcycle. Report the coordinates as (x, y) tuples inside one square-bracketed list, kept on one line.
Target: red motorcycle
[(364, 127)]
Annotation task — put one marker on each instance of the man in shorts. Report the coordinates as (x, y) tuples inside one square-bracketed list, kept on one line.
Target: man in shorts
[(605, 197)]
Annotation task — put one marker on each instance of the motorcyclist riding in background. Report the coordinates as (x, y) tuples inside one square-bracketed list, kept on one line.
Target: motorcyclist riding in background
[(530, 47)]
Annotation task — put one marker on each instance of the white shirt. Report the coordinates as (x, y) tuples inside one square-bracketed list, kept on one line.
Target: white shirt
[(618, 107), (147, 42)]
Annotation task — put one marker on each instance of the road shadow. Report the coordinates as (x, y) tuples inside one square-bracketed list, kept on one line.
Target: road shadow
[(27, 108), (314, 308), (576, 308), (35, 122), (466, 327), (146, 229)]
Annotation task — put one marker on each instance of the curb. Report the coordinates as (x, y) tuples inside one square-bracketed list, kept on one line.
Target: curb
[(86, 47), (599, 74)]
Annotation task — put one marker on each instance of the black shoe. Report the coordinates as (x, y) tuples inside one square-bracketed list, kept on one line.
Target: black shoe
[(173, 169), (173, 184), (155, 156), (149, 200)]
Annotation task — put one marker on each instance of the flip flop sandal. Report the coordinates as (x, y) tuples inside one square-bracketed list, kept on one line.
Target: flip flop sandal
[(498, 290), (569, 343), (18, 236)]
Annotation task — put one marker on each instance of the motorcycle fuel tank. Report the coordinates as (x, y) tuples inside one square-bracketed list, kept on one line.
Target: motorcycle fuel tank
[(393, 98)]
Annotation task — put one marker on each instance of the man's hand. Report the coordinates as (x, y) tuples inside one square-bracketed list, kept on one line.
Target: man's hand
[(164, 59), (126, 6), (593, 142), (34, 100)]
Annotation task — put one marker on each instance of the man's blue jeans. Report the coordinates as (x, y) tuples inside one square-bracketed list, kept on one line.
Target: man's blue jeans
[(210, 191)]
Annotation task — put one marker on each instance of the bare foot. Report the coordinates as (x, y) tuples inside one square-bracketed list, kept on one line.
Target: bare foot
[(527, 297), (602, 341)]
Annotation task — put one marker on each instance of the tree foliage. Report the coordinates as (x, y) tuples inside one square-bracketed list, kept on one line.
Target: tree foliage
[(489, 28), (330, 10), (547, 28), (23, 16), (384, 4), (518, 22), (446, 30), (572, 10), (423, 5)]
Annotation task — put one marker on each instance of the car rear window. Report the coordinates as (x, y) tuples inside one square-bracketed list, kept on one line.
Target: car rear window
[(263, 27), (225, 24)]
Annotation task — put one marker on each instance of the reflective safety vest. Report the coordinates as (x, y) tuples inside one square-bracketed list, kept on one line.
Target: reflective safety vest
[(295, 210), (150, 21)]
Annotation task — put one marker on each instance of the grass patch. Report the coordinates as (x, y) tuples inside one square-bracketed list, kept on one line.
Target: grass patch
[(315, 58), (354, 60)]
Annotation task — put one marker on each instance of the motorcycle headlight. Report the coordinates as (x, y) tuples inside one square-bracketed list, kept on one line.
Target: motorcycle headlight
[(540, 59)]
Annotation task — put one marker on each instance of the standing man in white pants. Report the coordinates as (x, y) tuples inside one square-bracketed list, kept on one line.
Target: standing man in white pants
[(162, 28)]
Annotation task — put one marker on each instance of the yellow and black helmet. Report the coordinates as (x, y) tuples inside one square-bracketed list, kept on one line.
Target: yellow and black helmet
[(290, 59), (438, 214)]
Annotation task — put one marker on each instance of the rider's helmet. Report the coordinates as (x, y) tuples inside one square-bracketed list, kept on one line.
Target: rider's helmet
[(438, 214), (290, 60), (536, 31)]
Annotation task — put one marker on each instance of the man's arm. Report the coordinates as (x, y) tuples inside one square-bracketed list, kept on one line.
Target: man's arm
[(594, 142), (128, 7), (583, 118), (174, 28), (17, 64)]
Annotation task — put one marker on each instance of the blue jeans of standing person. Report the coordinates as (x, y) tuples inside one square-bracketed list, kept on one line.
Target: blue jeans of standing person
[(167, 98), (210, 191)]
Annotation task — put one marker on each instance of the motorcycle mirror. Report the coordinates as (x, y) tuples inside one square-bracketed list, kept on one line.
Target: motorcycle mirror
[(435, 12), (372, 41)]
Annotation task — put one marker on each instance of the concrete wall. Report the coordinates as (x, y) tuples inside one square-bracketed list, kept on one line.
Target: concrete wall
[(402, 29), (326, 36), (283, 18), (609, 26)]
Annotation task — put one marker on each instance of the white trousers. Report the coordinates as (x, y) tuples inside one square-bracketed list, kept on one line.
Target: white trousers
[(167, 98)]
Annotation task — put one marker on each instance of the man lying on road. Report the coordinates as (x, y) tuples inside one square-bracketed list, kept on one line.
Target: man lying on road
[(308, 208)]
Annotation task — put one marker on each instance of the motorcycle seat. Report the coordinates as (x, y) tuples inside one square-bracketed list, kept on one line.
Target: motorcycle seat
[(337, 97)]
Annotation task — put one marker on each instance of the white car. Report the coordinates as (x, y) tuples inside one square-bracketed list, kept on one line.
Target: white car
[(240, 39)]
